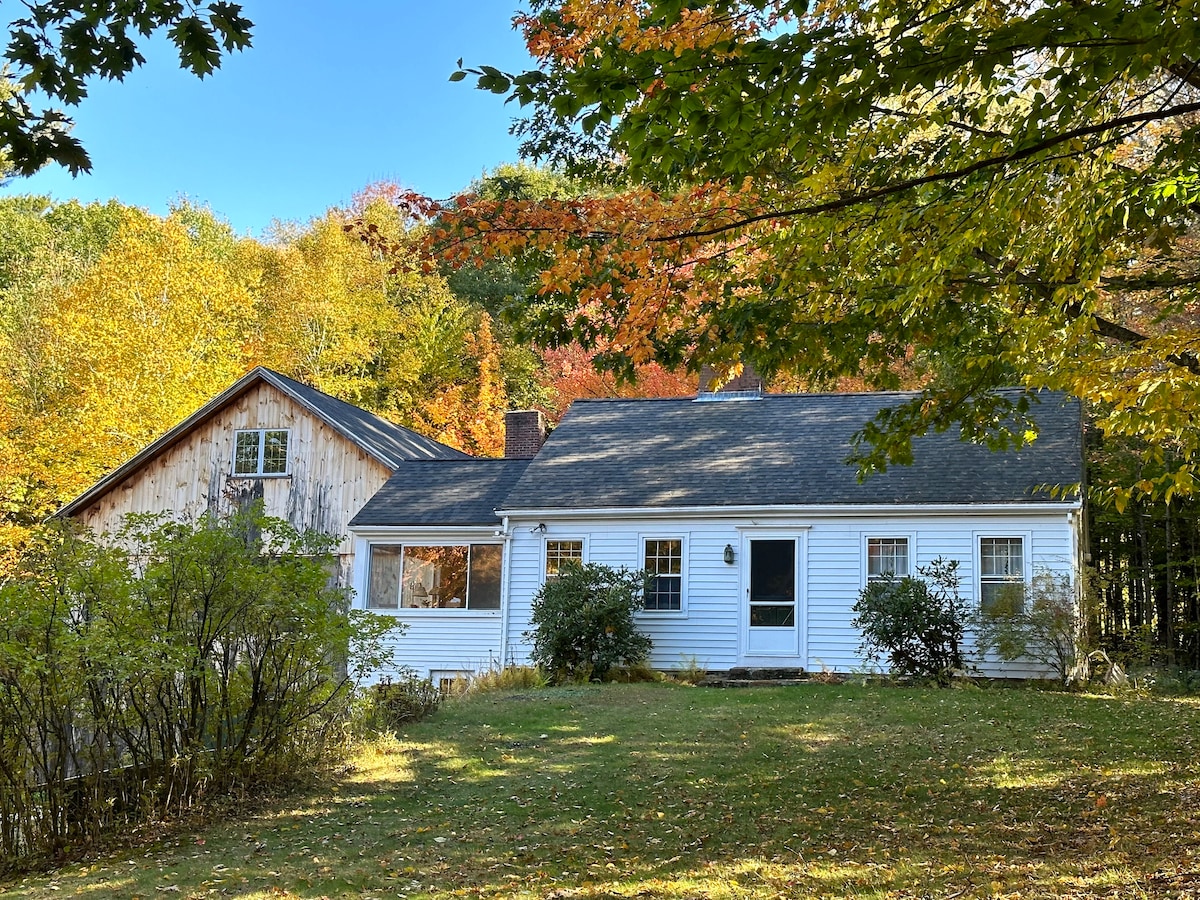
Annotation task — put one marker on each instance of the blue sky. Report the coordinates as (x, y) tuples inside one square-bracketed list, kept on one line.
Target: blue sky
[(331, 97)]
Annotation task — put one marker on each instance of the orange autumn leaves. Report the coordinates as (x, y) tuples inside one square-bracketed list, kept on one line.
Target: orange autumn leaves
[(639, 268)]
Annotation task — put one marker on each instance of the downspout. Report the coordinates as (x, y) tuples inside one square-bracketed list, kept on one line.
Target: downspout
[(505, 564)]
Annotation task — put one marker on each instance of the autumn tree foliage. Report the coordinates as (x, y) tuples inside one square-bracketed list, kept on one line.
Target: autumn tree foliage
[(56, 46), (993, 192), (116, 324)]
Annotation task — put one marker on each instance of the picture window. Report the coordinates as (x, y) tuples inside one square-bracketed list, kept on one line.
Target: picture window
[(412, 576)]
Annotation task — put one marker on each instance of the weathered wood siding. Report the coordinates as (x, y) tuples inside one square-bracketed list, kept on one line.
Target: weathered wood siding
[(329, 478)]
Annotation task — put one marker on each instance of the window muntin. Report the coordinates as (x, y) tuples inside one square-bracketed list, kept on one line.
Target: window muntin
[(561, 553), (1001, 568), (415, 576), (260, 451), (663, 559), (887, 556)]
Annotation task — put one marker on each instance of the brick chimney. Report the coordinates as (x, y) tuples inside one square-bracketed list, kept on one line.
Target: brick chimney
[(748, 380), (524, 432)]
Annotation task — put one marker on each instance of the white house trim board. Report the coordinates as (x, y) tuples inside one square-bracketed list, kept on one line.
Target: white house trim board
[(787, 512)]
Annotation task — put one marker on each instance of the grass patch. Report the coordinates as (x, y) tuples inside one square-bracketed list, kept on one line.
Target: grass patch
[(657, 790)]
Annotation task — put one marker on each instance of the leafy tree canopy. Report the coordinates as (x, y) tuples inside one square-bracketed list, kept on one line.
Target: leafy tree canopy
[(60, 44), (971, 194)]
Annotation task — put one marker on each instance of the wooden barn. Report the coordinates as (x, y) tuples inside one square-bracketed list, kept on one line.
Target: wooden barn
[(312, 459)]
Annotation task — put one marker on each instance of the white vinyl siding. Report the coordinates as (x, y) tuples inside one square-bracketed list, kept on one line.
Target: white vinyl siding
[(832, 567)]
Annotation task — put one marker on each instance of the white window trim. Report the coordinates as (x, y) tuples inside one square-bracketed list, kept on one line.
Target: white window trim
[(885, 535), (439, 612), (977, 538), (682, 612), (262, 442), (546, 538)]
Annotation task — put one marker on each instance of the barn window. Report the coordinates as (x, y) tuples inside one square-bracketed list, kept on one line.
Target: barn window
[(260, 451)]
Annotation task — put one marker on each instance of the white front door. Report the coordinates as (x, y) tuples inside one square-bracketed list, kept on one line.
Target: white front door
[(772, 611)]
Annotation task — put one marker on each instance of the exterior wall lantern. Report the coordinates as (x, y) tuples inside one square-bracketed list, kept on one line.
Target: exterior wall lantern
[(729, 554)]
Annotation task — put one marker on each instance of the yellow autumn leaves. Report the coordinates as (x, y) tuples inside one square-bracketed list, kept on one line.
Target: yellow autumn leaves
[(117, 324)]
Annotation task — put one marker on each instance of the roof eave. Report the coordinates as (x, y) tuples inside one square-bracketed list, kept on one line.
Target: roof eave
[(837, 510)]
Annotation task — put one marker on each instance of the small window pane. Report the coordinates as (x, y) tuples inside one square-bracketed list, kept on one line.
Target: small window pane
[(762, 616), (664, 560), (434, 578), (887, 556), (560, 553), (275, 448), (483, 591), (384, 581), (1001, 557), (245, 454)]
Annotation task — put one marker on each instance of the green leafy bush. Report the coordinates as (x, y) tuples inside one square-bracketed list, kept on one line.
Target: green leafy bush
[(917, 623), (1044, 625), (142, 674), (583, 622)]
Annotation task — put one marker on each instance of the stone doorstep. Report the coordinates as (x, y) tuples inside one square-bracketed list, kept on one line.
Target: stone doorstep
[(762, 682), (753, 677), (760, 673)]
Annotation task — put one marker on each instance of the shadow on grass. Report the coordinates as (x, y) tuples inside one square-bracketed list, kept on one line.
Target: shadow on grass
[(659, 791)]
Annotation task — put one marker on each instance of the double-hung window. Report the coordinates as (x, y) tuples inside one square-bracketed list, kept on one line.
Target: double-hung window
[(887, 556), (562, 553), (451, 576), (663, 559), (1001, 571), (260, 451)]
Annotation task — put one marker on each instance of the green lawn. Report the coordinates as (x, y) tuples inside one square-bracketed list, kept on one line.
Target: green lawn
[(665, 791)]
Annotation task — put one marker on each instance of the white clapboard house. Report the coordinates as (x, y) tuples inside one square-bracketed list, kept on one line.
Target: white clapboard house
[(760, 535)]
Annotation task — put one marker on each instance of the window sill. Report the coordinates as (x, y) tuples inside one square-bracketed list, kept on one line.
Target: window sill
[(438, 613), (249, 475)]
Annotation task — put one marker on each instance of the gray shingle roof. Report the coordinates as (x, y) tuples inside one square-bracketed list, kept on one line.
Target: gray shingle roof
[(781, 450), (443, 492), (386, 441)]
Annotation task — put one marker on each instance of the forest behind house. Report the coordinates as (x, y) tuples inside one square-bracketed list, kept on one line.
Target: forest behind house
[(115, 324)]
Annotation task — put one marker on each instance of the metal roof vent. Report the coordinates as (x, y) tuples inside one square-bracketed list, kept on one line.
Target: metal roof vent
[(726, 396)]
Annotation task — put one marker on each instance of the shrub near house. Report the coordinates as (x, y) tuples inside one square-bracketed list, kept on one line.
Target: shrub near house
[(180, 661)]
